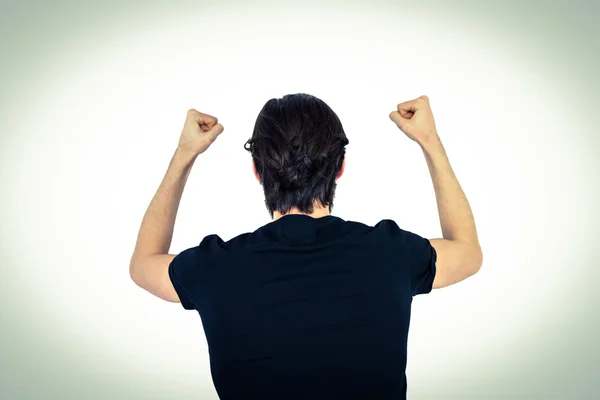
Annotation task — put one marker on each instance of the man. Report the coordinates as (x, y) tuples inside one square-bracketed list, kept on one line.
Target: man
[(308, 306)]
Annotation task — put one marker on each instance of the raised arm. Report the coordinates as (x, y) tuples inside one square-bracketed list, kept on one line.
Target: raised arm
[(459, 254), (150, 261)]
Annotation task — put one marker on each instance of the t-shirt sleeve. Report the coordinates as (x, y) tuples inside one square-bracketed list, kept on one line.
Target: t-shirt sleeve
[(191, 270), (183, 270), (422, 258), (418, 255)]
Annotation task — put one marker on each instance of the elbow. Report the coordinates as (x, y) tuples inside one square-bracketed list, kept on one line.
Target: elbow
[(134, 270), (472, 258), (477, 258)]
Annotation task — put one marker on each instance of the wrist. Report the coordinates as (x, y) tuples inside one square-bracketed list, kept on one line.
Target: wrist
[(431, 145), (184, 156)]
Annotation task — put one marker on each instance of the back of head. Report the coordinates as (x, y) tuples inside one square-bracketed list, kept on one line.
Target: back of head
[(298, 147)]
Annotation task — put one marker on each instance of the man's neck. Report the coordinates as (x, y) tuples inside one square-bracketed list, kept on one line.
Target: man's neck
[(318, 212)]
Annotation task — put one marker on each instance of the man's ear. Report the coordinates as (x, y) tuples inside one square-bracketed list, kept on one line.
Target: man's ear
[(339, 174), (255, 171)]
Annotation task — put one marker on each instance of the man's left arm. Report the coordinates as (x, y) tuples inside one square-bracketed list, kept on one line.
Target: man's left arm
[(150, 261)]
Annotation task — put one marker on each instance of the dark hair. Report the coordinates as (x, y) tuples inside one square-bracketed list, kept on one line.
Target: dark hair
[(298, 147)]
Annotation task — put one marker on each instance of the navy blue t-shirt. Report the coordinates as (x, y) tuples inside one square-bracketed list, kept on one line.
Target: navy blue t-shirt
[(307, 308)]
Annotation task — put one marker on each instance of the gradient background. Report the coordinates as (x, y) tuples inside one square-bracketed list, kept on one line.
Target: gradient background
[(94, 96)]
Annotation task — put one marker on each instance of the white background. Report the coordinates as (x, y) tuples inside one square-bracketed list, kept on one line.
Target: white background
[(89, 131)]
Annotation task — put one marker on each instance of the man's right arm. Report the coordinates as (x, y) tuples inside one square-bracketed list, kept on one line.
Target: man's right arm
[(459, 254)]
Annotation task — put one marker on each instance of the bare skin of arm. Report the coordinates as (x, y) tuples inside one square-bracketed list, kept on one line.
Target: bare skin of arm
[(150, 261), (459, 254)]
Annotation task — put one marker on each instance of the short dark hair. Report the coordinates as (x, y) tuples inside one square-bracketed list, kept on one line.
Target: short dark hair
[(298, 146)]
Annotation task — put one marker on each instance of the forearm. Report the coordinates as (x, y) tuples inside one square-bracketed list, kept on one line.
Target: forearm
[(156, 231), (456, 217)]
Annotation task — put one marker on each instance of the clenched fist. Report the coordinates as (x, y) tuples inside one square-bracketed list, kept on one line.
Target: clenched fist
[(199, 132), (415, 119)]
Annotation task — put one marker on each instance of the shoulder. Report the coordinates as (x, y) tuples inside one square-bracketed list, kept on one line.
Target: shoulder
[(212, 246), (190, 260), (414, 252), (388, 228)]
